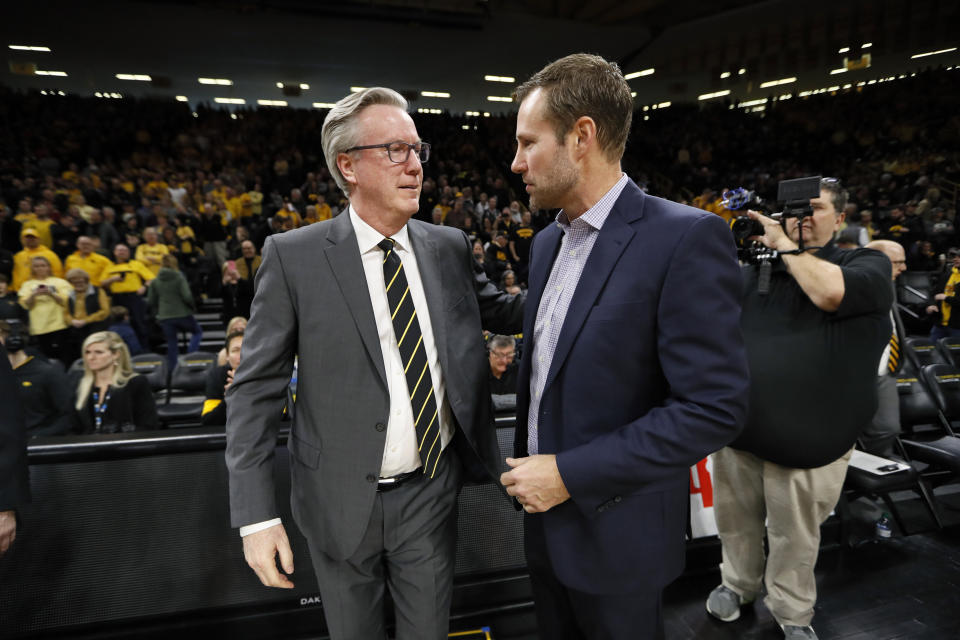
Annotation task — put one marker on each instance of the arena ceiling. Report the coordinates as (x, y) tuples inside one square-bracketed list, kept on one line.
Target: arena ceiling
[(447, 47)]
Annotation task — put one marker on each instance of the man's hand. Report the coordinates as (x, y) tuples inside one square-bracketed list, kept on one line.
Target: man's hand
[(260, 550), (8, 530), (774, 236), (229, 380), (78, 323), (536, 483), (141, 290)]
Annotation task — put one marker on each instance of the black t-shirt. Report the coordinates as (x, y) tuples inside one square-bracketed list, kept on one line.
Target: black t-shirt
[(813, 373), (522, 238)]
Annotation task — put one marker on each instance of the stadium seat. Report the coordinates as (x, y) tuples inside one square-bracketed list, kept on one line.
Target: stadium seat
[(154, 367), (188, 379), (923, 351)]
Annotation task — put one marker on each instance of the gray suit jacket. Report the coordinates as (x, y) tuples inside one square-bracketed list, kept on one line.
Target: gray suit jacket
[(312, 301)]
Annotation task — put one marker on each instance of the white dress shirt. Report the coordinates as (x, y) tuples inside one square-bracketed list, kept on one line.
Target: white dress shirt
[(400, 453)]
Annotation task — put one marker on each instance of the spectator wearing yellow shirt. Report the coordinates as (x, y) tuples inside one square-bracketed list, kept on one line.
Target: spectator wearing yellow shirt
[(256, 200), (32, 249), (87, 259), (126, 282), (41, 222), (151, 252), (45, 297)]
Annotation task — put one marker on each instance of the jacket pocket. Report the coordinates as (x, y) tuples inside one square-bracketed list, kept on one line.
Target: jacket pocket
[(303, 452)]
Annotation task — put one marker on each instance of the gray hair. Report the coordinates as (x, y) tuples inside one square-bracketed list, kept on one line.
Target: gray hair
[(500, 342), (339, 131)]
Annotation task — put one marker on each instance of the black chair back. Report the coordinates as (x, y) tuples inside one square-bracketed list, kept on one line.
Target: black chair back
[(943, 381), (923, 352), (950, 350), (916, 404), (190, 376), (154, 367)]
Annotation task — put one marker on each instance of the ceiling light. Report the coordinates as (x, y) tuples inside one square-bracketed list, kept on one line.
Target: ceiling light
[(23, 47), (638, 74), (221, 81), (715, 94), (646, 117), (304, 86), (465, 127), (774, 83), (753, 103), (928, 53), (499, 79), (664, 105), (181, 98), (233, 116), (272, 103), (435, 94), (473, 113), (230, 100), (835, 87), (499, 99), (633, 94), (834, 72), (847, 86), (357, 89), (866, 45), (724, 75), (486, 114), (324, 105), (279, 85), (133, 76), (844, 50), (50, 73)]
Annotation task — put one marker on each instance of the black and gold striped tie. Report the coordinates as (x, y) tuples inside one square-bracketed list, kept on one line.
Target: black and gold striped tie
[(894, 360), (416, 368)]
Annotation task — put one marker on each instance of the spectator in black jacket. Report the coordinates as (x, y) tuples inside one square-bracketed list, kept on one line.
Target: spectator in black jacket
[(42, 389), (111, 398), (219, 380)]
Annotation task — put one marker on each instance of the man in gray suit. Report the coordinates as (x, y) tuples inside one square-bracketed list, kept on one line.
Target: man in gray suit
[(384, 314)]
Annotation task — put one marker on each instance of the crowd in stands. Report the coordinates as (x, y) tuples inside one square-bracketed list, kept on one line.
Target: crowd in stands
[(126, 215)]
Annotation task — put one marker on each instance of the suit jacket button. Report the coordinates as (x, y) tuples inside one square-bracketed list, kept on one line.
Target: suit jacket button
[(371, 478), (381, 426)]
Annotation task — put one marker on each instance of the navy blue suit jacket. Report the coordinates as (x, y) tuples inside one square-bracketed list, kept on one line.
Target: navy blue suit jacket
[(649, 376)]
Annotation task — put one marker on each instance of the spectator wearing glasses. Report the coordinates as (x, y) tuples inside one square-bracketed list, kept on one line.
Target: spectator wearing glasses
[(503, 367), (388, 311)]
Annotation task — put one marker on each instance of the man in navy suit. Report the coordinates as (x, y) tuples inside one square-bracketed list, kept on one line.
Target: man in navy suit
[(634, 367)]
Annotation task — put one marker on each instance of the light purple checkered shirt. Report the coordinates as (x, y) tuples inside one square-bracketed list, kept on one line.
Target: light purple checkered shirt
[(579, 237)]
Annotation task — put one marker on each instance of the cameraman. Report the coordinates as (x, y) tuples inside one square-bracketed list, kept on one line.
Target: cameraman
[(813, 342)]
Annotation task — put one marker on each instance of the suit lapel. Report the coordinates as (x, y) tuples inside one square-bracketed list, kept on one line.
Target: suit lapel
[(343, 255), (613, 239), (432, 276)]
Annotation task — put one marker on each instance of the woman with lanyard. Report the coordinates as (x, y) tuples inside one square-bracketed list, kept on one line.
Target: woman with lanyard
[(111, 398)]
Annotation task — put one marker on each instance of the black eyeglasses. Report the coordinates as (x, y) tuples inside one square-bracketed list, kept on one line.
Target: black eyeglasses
[(399, 151)]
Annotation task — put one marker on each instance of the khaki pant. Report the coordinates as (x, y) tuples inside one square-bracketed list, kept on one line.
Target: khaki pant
[(794, 503)]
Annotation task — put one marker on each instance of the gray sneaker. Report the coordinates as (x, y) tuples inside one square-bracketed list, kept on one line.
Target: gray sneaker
[(793, 632), (724, 604)]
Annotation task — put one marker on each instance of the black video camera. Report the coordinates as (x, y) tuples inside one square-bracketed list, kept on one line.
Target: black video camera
[(795, 196)]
